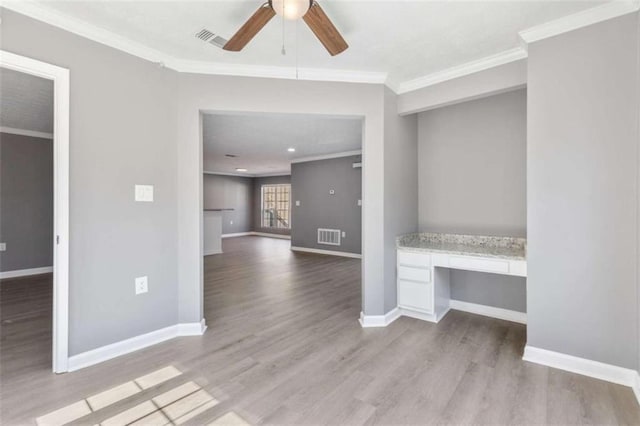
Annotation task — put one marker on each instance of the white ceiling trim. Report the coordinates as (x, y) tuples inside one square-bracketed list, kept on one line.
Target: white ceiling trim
[(311, 74), (23, 132), (579, 20), (273, 174), (571, 22), (326, 156), (50, 16), (462, 70), (247, 175)]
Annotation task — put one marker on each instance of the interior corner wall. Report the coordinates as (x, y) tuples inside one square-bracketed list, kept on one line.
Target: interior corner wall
[(256, 223), (582, 210), (400, 187), (26, 202), (472, 180), (311, 182), (122, 133), (230, 192)]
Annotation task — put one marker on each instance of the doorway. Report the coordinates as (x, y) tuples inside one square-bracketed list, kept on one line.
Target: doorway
[(59, 236), (269, 177)]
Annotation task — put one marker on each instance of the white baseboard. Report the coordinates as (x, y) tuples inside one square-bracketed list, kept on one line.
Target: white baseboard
[(192, 328), (419, 315), (367, 321), (329, 252), (489, 311), (26, 272), (636, 387), (266, 234), (586, 367), (237, 234), (257, 234), (105, 353)]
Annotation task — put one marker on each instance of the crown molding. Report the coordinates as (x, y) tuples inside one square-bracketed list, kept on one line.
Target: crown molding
[(272, 174), (76, 26), (578, 20), (50, 16), (247, 175), (587, 17), (259, 71), (24, 132), (326, 156), (462, 70)]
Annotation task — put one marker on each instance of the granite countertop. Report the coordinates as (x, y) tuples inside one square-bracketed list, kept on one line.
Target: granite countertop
[(510, 248)]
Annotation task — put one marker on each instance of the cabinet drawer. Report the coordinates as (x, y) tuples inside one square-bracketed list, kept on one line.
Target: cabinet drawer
[(485, 265), (414, 295), (414, 259), (414, 274)]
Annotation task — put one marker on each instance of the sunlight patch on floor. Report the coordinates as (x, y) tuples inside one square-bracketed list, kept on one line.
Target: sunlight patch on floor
[(108, 397), (173, 407)]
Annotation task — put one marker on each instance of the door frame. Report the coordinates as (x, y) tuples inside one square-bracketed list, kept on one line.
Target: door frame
[(60, 78)]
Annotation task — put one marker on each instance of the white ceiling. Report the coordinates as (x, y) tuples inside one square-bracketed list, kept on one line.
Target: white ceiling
[(26, 101), (260, 141), (406, 39)]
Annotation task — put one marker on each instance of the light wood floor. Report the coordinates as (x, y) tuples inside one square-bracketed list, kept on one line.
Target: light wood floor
[(284, 347)]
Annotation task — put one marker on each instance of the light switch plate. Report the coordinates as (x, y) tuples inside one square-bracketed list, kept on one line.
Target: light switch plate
[(360, 203), (142, 285), (297, 203), (144, 193), (3, 246)]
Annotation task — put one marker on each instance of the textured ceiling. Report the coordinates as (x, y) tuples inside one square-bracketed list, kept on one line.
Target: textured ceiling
[(407, 39), (260, 142), (26, 101)]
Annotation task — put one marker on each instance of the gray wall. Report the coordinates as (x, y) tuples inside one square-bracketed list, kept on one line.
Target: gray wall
[(582, 192), (235, 192), (223, 93), (310, 184), (472, 179), (400, 187), (26, 202), (257, 200), (123, 132)]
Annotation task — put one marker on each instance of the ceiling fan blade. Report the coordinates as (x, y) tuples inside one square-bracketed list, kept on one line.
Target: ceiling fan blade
[(250, 28), (326, 32)]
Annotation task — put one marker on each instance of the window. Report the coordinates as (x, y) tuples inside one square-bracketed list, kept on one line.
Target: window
[(276, 206)]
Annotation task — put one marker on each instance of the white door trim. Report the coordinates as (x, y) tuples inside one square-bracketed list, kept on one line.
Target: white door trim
[(60, 77)]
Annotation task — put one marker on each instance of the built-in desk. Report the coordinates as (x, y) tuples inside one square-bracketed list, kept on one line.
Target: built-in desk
[(424, 260)]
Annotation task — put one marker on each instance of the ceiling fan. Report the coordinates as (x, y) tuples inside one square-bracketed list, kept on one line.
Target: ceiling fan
[(309, 10)]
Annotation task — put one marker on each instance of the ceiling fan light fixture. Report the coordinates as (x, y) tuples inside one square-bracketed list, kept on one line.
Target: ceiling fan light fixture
[(291, 9)]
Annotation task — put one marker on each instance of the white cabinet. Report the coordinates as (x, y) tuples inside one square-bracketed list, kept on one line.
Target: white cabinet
[(415, 295), (415, 288), (414, 274), (423, 279)]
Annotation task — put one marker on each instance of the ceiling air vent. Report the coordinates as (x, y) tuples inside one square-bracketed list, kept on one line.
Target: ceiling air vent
[(212, 38)]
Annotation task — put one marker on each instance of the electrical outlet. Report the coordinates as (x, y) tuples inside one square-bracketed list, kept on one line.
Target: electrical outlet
[(344, 234), (3, 246), (144, 193), (231, 222), (332, 192), (297, 203), (359, 203), (141, 285)]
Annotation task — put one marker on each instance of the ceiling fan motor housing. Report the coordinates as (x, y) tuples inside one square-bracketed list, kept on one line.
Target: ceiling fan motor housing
[(291, 9)]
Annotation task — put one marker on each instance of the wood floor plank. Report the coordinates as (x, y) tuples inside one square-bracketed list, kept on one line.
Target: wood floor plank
[(284, 347)]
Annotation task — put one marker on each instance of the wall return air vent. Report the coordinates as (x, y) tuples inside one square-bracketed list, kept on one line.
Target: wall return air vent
[(329, 237), (212, 38)]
